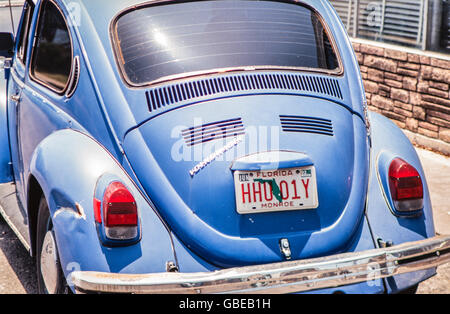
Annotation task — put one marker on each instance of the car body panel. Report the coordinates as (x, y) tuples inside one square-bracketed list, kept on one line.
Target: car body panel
[(69, 193), (384, 224), (5, 155)]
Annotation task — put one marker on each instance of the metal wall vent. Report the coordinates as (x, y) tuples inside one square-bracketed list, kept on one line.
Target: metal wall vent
[(306, 125), (212, 131), (170, 94)]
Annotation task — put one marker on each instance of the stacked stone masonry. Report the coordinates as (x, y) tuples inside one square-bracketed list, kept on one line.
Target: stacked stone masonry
[(410, 89)]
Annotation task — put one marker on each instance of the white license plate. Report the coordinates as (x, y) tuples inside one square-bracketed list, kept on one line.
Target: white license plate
[(276, 190)]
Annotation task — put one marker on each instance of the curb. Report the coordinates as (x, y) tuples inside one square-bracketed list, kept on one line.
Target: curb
[(429, 143)]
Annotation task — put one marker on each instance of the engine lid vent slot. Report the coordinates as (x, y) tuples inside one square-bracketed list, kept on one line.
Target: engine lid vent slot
[(170, 94), (304, 124), (213, 131)]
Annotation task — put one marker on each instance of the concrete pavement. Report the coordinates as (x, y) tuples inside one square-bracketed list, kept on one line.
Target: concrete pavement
[(437, 171)]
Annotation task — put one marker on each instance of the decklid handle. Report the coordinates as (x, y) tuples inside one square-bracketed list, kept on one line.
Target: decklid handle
[(272, 160)]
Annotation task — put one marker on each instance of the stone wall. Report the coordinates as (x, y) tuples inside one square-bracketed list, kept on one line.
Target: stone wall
[(411, 88)]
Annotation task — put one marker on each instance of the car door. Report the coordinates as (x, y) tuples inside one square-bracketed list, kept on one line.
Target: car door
[(49, 73), (39, 85), (16, 86), (15, 92)]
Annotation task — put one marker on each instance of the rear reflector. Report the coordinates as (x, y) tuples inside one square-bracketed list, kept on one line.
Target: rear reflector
[(119, 212), (406, 186), (98, 210)]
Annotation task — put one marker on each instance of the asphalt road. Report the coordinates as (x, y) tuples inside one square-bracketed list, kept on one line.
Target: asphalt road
[(17, 271)]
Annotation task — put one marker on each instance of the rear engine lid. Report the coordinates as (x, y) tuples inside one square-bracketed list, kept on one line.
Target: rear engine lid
[(189, 161)]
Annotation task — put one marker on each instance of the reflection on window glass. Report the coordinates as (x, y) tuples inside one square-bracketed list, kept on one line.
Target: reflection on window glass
[(24, 31), (53, 54), (171, 39)]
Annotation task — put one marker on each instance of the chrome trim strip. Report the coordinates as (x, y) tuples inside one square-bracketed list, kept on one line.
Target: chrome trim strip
[(286, 277), (74, 77)]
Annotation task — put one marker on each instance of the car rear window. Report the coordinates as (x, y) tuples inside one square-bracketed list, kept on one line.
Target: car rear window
[(163, 41)]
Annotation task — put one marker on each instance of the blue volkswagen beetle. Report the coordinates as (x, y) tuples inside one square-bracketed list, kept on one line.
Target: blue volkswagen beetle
[(203, 147)]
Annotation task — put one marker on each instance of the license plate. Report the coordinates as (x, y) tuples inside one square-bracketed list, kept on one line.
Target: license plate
[(276, 190)]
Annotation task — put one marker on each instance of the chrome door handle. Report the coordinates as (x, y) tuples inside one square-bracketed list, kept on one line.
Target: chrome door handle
[(15, 98)]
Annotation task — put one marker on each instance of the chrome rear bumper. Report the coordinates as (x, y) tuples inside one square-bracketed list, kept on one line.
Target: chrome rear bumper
[(286, 277)]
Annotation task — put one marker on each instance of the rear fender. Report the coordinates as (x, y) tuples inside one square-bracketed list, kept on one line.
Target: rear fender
[(389, 142), (67, 165)]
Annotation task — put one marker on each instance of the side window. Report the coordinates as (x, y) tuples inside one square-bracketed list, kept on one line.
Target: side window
[(52, 55), (24, 32)]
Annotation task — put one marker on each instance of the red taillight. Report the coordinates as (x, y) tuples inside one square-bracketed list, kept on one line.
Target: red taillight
[(120, 216), (405, 185)]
